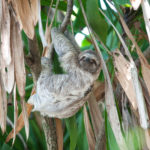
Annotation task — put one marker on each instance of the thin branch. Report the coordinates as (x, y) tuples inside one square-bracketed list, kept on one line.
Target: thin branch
[(49, 128), (33, 60), (50, 7), (101, 139), (41, 31), (120, 37), (66, 20), (54, 14)]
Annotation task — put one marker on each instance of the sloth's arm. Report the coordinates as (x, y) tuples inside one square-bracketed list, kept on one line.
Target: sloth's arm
[(62, 43)]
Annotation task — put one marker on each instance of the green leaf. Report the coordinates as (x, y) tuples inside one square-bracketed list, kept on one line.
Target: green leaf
[(79, 23), (81, 144), (73, 132), (6, 147), (122, 2), (135, 138), (96, 20), (112, 38), (85, 42)]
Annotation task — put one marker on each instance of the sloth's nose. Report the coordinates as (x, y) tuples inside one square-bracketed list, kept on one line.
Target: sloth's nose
[(87, 59)]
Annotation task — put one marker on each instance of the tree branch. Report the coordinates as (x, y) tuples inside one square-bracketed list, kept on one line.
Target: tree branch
[(33, 60), (49, 128), (49, 124), (66, 20)]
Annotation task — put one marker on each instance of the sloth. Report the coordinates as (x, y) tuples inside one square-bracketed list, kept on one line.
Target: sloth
[(62, 95)]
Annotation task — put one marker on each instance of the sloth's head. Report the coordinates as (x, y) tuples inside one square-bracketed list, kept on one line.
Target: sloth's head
[(89, 61)]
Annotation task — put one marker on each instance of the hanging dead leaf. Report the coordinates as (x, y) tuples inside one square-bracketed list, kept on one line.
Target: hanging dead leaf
[(145, 70), (15, 113), (146, 7), (41, 31), (135, 4), (99, 90), (8, 70), (17, 48), (25, 15), (146, 75), (137, 87), (123, 74), (20, 75), (59, 132), (8, 75), (25, 117), (3, 106), (89, 131), (113, 115), (20, 122), (0, 14), (34, 9), (5, 34), (97, 120)]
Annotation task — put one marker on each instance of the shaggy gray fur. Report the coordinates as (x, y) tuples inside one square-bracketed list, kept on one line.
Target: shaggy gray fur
[(61, 95)]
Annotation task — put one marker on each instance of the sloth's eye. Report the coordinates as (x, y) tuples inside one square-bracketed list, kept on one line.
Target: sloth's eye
[(82, 58), (92, 61)]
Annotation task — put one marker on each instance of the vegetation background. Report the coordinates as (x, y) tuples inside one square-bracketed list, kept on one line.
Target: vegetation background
[(79, 131)]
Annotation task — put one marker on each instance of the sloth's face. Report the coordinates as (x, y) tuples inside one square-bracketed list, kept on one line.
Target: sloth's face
[(89, 61)]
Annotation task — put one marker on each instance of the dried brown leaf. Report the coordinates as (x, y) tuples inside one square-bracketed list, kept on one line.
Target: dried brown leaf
[(89, 131), (8, 75), (20, 122), (59, 132), (15, 113), (25, 117), (17, 48), (135, 4), (96, 116), (41, 31), (5, 34), (34, 9), (113, 116), (137, 87), (146, 7), (24, 16), (0, 14), (3, 106), (146, 74), (123, 74), (8, 70), (99, 90)]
